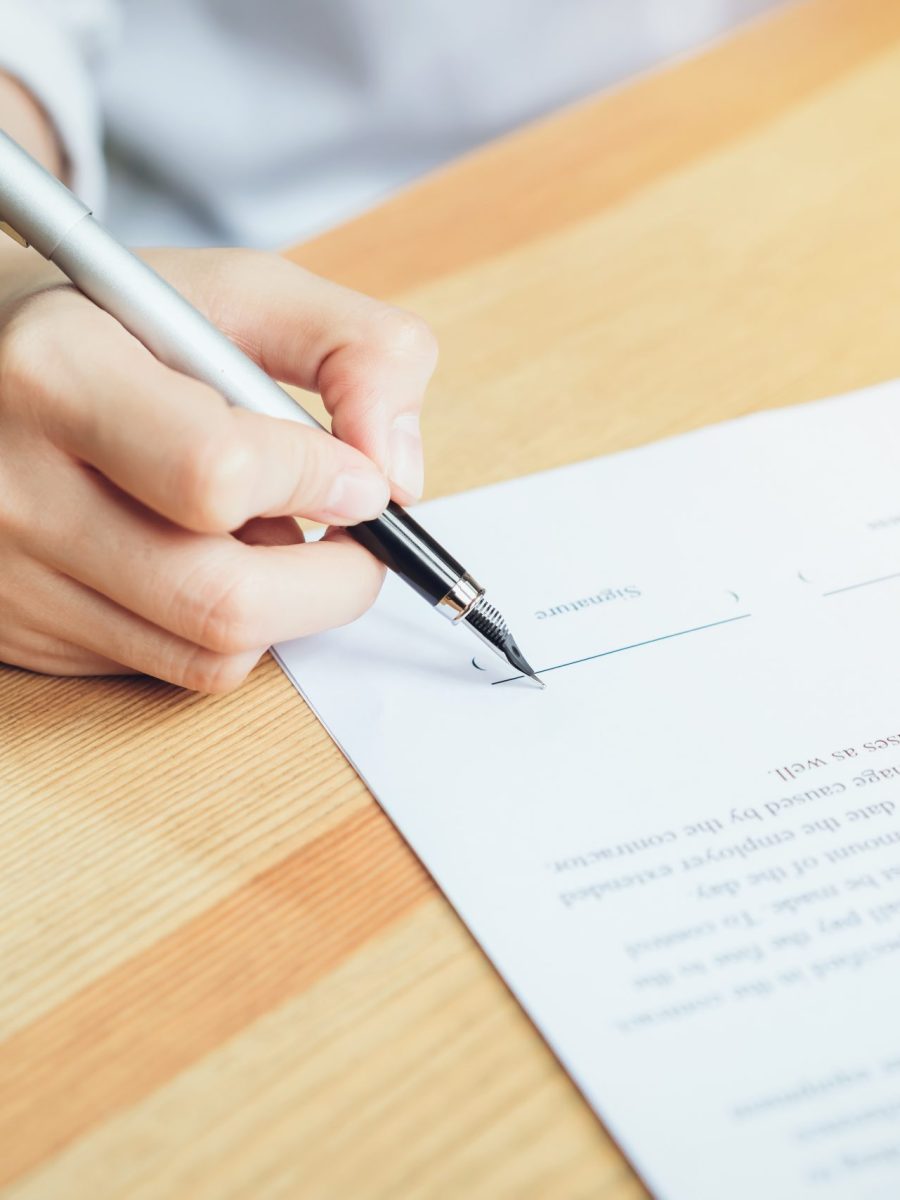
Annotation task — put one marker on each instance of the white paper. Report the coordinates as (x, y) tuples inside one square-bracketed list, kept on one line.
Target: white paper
[(684, 855)]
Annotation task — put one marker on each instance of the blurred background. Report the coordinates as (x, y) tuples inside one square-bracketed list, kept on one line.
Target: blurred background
[(227, 122)]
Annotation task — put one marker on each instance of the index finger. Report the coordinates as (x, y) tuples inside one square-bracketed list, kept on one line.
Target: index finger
[(370, 361), (175, 445)]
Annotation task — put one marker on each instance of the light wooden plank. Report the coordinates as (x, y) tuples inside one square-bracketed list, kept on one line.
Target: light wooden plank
[(360, 1084)]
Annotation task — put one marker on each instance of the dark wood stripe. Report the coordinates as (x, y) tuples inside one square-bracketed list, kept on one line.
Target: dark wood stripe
[(131, 1031)]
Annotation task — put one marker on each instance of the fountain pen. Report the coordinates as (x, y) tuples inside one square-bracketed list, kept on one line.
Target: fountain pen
[(38, 210)]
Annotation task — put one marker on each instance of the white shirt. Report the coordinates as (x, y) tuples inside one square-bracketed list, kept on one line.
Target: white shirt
[(258, 123)]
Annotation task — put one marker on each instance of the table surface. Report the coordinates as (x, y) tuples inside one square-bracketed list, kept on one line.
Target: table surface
[(224, 974)]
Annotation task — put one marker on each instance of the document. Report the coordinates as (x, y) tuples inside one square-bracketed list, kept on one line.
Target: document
[(683, 855)]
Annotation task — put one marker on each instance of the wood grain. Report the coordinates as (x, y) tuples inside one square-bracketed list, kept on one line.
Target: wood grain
[(224, 974), (115, 1041)]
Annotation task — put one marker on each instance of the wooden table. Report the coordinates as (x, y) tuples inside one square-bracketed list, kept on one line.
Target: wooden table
[(223, 973)]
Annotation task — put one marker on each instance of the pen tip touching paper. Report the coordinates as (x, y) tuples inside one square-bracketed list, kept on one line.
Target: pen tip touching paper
[(516, 658), (485, 621)]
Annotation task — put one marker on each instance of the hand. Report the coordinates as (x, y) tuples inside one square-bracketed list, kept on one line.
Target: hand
[(147, 527)]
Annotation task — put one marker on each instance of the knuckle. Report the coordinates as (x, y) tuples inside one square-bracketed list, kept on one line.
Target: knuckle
[(364, 601), (235, 267), (366, 585), (37, 336), (405, 334), (244, 259), (210, 276), (28, 475), (212, 483), (213, 674), (371, 587), (316, 460), (224, 616), (20, 358)]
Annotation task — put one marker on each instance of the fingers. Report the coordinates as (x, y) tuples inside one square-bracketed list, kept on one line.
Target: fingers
[(374, 389), (49, 655), (212, 591), (123, 479), (370, 362), (103, 629), (70, 630), (173, 443)]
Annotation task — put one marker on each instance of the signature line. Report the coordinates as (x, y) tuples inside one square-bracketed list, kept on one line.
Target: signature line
[(634, 646), (865, 583)]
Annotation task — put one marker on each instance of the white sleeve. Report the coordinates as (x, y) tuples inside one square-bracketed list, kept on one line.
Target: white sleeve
[(50, 47)]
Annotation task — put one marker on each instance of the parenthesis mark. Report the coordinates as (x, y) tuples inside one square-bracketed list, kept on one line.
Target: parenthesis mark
[(802, 577), (737, 598), (477, 665)]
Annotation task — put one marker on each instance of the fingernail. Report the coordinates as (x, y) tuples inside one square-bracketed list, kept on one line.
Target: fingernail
[(357, 495), (407, 469)]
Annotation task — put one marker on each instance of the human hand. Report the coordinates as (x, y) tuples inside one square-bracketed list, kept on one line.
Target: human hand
[(147, 527)]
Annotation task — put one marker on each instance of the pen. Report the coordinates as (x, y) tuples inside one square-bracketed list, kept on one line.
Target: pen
[(38, 210)]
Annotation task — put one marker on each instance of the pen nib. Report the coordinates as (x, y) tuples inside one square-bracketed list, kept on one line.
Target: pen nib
[(486, 622), (516, 658)]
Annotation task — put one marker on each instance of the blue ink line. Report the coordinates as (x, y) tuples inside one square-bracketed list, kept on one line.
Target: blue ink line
[(634, 646), (865, 583)]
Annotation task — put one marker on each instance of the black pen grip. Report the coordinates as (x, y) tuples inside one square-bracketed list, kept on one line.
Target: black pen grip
[(404, 547)]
